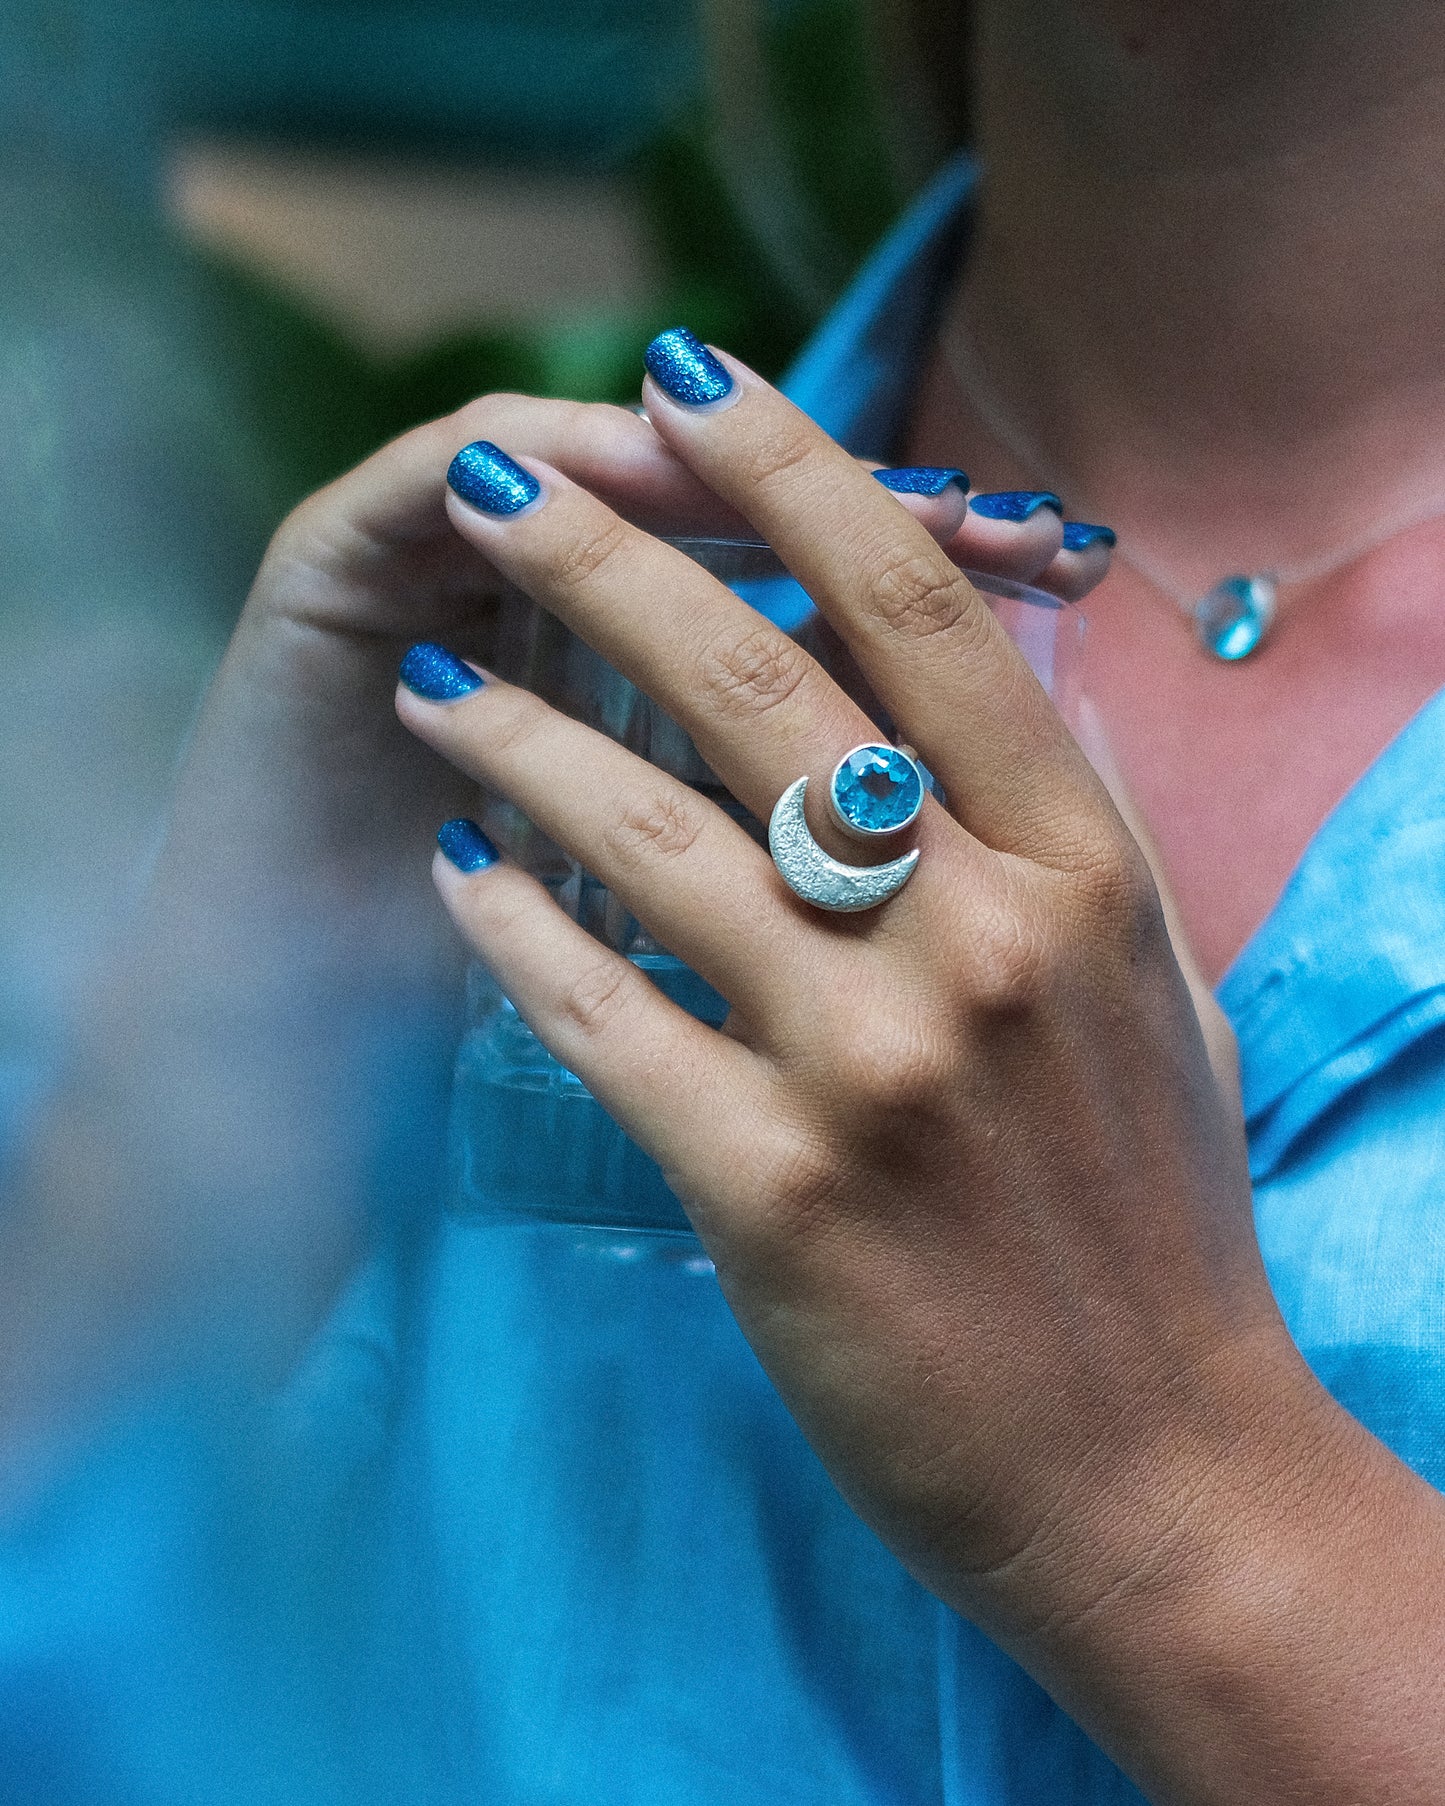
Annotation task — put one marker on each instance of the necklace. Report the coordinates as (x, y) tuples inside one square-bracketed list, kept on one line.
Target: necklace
[(1234, 616)]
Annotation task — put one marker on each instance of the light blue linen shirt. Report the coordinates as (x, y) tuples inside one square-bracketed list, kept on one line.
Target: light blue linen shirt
[(532, 1528), (665, 1600)]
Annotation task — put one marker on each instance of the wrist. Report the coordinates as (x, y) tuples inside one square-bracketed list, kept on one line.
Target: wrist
[(1230, 1587), (1138, 1497)]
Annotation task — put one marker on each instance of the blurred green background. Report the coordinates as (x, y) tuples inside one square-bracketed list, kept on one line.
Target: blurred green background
[(248, 240), (745, 141)]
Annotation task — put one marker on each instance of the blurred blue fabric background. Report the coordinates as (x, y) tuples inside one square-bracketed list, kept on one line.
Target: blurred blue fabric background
[(244, 244)]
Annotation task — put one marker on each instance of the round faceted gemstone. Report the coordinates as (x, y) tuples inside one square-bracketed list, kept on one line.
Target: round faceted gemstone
[(1235, 616), (877, 790)]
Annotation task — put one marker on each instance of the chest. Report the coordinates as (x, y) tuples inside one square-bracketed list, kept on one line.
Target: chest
[(1236, 766)]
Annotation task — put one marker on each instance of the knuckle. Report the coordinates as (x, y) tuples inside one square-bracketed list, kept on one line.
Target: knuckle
[(1013, 968), (296, 532), (920, 596), (479, 418), (1089, 925), (577, 563), (777, 455), (319, 533), (652, 828), (595, 998), (607, 417), (752, 674), (804, 1194), (514, 718), (506, 412), (797, 1189), (505, 915), (895, 1070), (1115, 888)]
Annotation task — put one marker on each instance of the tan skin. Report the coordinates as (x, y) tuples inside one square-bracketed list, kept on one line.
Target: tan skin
[(975, 1195), (981, 1120), (1206, 286), (210, 1163)]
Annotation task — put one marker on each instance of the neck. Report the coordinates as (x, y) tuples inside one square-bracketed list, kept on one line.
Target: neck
[(1206, 281)]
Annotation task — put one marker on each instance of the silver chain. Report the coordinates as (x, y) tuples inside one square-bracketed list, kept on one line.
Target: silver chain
[(963, 362)]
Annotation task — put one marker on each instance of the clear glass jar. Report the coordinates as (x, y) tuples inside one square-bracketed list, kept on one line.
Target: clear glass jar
[(529, 1143)]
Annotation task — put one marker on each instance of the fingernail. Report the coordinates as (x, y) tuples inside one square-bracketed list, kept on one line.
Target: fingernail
[(920, 479), (431, 671), (1014, 504), (466, 846), (1079, 535), (485, 476), (683, 367)]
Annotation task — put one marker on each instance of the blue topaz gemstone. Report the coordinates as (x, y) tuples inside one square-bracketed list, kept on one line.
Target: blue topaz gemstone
[(1235, 616), (875, 790)]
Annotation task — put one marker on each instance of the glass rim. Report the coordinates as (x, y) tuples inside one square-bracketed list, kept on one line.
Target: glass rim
[(1008, 589)]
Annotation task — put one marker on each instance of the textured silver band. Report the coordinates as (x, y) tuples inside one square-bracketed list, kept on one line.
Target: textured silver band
[(816, 876)]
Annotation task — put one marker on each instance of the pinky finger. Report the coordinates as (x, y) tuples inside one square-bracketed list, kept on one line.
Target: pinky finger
[(669, 1080), (1081, 564)]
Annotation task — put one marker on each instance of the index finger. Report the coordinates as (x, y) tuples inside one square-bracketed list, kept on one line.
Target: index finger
[(932, 652)]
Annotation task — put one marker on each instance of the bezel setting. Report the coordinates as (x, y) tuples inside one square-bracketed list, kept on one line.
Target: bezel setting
[(861, 830)]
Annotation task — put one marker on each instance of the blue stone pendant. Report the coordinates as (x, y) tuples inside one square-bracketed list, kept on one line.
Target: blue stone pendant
[(1235, 616)]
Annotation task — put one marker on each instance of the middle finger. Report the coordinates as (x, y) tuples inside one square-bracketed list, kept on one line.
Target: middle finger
[(932, 651), (759, 708)]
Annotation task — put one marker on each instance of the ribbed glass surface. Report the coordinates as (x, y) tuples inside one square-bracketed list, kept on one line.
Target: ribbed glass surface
[(528, 1142)]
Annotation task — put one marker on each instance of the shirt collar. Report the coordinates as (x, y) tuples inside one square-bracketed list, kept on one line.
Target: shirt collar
[(1348, 969), (856, 373)]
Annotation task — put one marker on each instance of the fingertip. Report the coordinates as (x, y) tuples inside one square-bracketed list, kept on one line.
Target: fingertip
[(1072, 575), (935, 495), (444, 875), (687, 374), (466, 846), (464, 857), (1018, 549), (921, 479), (487, 488), (1085, 536), (429, 673), (490, 480)]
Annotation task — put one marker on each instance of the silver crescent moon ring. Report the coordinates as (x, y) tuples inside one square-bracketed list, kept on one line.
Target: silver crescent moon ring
[(876, 790)]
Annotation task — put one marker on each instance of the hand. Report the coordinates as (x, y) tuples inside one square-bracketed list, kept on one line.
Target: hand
[(969, 1182), (267, 1059)]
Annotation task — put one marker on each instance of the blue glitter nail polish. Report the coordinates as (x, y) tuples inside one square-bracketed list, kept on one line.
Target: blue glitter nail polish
[(1014, 504), (466, 846), (683, 367), (431, 671), (485, 476), (920, 479), (1079, 535)]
